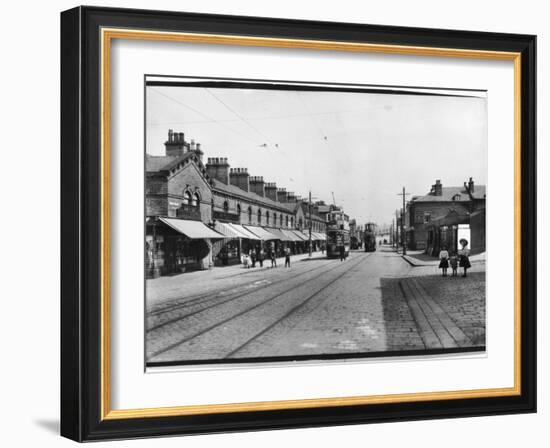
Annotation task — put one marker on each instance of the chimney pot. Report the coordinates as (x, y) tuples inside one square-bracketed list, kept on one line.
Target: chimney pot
[(174, 145), (218, 170)]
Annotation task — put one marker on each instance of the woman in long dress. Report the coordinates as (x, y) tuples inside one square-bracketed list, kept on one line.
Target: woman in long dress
[(444, 263), (464, 255)]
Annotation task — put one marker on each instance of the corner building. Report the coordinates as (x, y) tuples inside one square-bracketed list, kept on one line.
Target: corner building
[(199, 215)]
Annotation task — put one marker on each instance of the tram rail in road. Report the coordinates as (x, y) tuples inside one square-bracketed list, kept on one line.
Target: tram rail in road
[(169, 343)]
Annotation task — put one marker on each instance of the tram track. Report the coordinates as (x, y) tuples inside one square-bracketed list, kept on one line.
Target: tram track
[(219, 323), (213, 296), (292, 311)]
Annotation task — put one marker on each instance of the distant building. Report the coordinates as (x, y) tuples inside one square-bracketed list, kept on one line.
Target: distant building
[(202, 214), (439, 218)]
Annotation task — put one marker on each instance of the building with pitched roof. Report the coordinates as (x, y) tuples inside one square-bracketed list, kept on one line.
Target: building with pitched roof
[(227, 211), (433, 220)]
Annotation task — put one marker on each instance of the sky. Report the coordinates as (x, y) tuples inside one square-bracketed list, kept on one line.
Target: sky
[(361, 147)]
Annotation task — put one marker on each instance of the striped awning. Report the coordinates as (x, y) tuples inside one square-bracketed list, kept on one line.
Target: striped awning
[(243, 232), (226, 230), (279, 234), (195, 230), (300, 235), (261, 233), (290, 235)]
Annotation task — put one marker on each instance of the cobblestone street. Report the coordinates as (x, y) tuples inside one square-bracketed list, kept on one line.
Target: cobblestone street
[(372, 302)]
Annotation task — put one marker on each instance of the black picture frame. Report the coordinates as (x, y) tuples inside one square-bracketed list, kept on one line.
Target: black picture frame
[(81, 224)]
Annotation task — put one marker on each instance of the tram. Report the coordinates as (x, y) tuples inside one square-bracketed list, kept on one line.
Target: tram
[(369, 237), (338, 236)]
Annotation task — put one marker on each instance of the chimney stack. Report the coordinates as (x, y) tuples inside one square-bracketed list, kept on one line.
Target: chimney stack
[(471, 185), (175, 145), (271, 191), (218, 168), (437, 188), (282, 195), (257, 185), (239, 177), (291, 197)]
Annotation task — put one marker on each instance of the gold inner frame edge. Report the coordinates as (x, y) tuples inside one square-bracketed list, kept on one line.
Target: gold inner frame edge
[(107, 35)]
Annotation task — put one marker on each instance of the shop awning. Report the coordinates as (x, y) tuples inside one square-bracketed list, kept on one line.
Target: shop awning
[(261, 233), (226, 230), (300, 235), (243, 232), (320, 236), (290, 235), (194, 230), (280, 235)]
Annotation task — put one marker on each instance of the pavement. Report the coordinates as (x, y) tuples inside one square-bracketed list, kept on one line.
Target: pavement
[(419, 258), (370, 303)]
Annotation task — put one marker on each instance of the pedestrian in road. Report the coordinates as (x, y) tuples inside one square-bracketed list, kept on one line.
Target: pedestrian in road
[(273, 259), (464, 254), (261, 257), (253, 257), (342, 253), (287, 257), (444, 263), (453, 261)]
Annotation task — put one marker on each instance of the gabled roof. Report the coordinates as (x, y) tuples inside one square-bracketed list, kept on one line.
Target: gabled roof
[(166, 163), (157, 163), (448, 193)]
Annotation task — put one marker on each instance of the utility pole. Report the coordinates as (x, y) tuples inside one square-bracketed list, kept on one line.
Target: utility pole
[(309, 210), (403, 213), (397, 230)]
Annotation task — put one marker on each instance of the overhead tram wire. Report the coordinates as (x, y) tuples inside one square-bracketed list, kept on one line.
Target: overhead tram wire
[(209, 119), (239, 116), (323, 134)]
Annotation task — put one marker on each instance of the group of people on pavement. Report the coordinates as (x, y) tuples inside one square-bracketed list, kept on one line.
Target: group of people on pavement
[(455, 259), (258, 255)]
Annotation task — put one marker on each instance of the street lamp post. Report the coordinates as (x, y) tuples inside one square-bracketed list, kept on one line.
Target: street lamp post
[(309, 211)]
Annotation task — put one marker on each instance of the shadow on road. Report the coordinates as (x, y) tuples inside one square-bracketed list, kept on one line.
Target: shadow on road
[(461, 299)]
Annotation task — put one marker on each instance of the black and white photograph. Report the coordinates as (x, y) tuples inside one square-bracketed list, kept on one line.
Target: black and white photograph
[(299, 221)]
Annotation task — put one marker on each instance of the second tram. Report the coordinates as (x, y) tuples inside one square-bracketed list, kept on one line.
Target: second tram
[(338, 235), (369, 237)]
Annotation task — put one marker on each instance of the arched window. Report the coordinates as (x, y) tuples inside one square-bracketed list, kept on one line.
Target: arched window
[(186, 198), (281, 220), (259, 216), (239, 210), (300, 223), (225, 206), (456, 197), (286, 221), (249, 215), (292, 221), (267, 218), (195, 200)]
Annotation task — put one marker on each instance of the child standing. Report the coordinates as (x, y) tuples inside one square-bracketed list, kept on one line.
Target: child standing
[(454, 264), (287, 257), (444, 263)]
